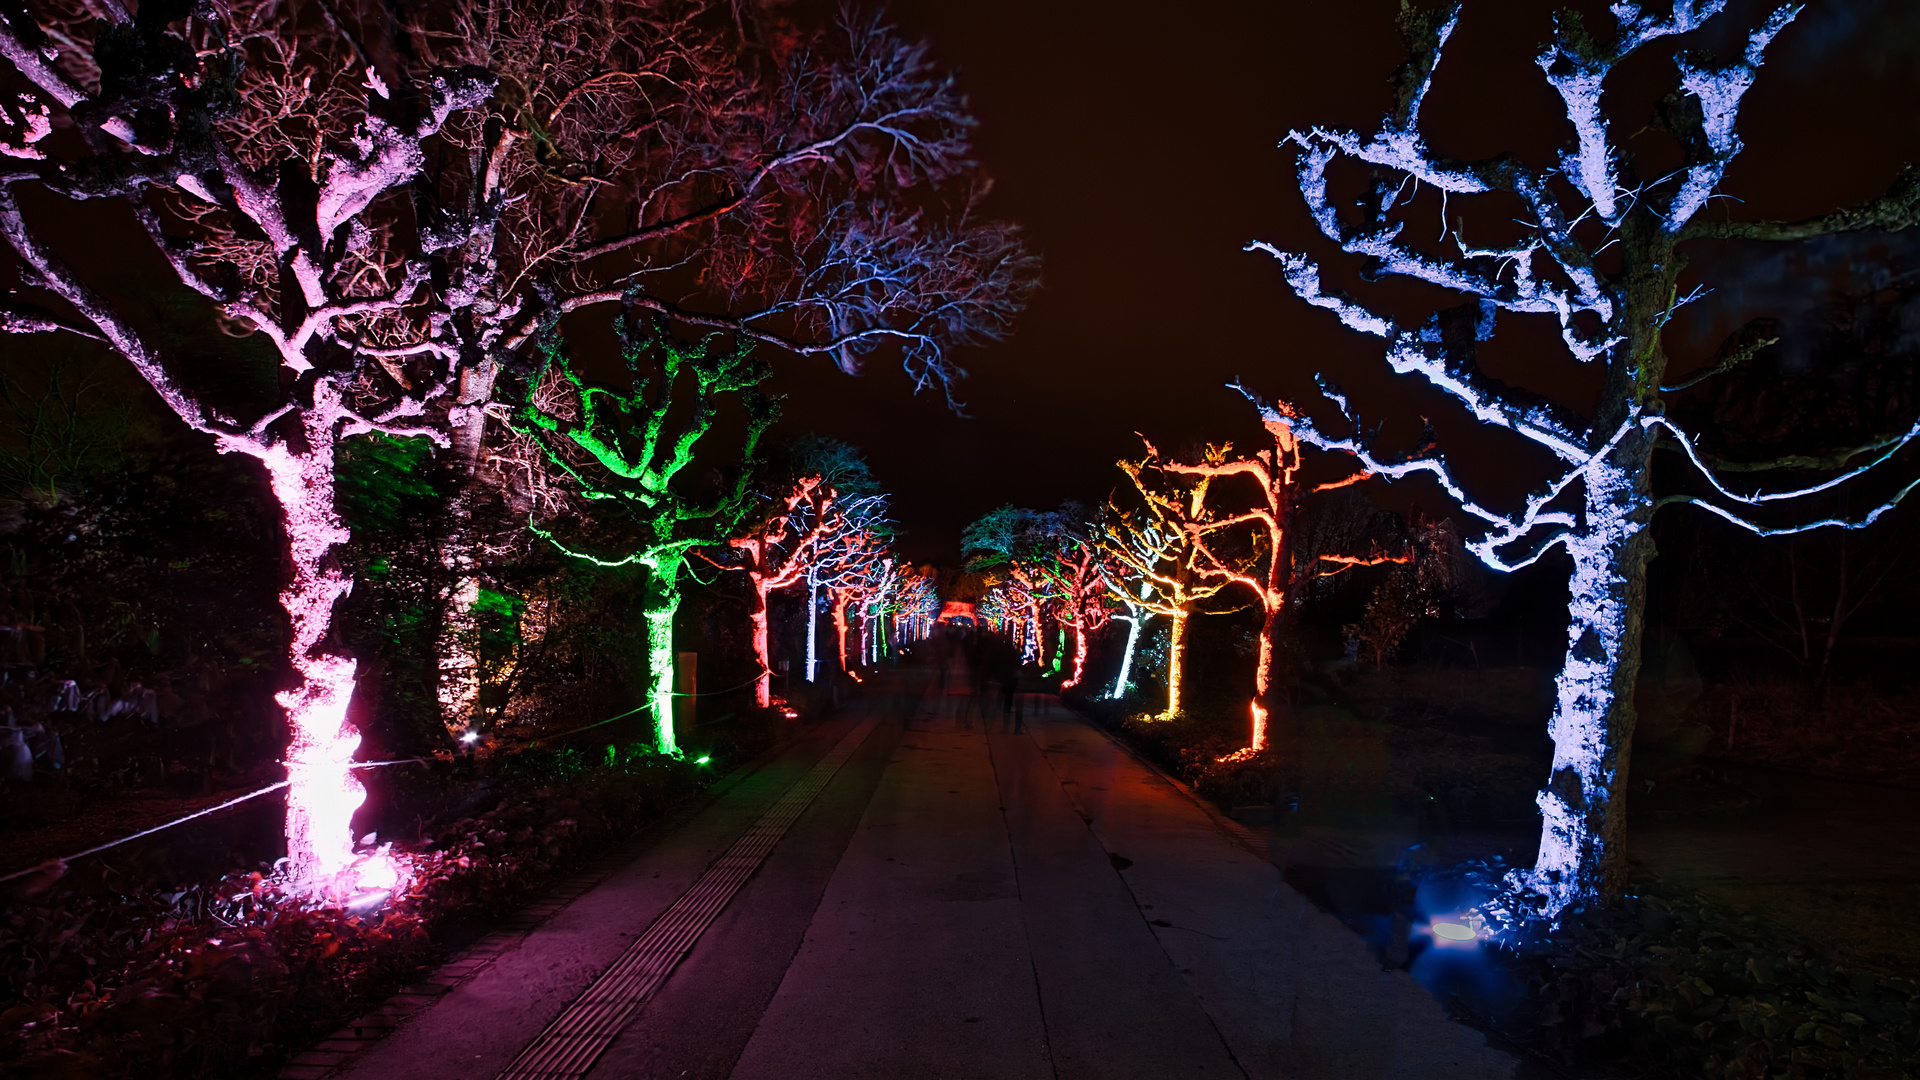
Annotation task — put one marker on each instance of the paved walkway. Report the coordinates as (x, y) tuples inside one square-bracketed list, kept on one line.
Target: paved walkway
[(950, 902)]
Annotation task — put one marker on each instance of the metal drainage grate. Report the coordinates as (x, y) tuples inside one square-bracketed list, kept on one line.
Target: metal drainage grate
[(571, 1043)]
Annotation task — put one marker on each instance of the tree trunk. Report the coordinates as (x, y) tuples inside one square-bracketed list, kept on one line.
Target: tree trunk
[(1079, 658), (1176, 661), (762, 686), (1583, 807), (1126, 658), (457, 648), (323, 791), (459, 661), (1260, 707), (813, 629), (840, 629), (662, 603)]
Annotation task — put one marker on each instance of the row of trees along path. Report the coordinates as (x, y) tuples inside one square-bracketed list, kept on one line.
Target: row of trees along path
[(1599, 250), (401, 209)]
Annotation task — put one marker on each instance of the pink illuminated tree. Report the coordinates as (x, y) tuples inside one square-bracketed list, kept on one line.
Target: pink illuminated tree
[(341, 306)]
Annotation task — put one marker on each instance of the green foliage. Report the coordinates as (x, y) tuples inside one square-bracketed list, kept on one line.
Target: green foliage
[(840, 465), (67, 417), (497, 615), (392, 494), (384, 484)]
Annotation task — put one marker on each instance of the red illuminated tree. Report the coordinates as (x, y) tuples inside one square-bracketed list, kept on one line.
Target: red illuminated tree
[(1078, 575), (777, 554), (1252, 543)]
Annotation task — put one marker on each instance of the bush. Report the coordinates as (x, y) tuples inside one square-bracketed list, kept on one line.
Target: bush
[(118, 978)]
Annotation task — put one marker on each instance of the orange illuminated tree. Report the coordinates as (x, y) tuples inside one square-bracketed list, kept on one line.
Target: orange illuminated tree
[(1156, 557), (1253, 547)]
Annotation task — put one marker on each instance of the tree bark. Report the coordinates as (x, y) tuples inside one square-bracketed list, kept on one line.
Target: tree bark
[(1176, 661), (763, 685), (1126, 658), (1583, 807), (662, 603)]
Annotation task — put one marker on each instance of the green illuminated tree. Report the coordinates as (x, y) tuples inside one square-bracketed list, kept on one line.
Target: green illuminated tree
[(628, 453)]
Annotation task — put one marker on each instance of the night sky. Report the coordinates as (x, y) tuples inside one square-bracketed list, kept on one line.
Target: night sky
[(1137, 144)]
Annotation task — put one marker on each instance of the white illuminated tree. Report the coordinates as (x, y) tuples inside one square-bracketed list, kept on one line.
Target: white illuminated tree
[(1597, 251), (853, 539)]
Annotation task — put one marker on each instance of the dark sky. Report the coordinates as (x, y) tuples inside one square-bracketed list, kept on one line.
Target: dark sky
[(1136, 143)]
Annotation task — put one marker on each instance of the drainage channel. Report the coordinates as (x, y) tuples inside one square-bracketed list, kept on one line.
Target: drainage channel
[(587, 1027)]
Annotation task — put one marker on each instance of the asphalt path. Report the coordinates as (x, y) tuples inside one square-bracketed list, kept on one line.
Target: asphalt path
[(959, 900)]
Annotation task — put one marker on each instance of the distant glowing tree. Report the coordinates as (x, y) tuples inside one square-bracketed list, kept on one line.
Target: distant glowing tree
[(1262, 524), (775, 555), (1078, 575), (1599, 252), (860, 567), (876, 604), (629, 450), (856, 526), (919, 603), (1157, 558), (994, 610), (1014, 548)]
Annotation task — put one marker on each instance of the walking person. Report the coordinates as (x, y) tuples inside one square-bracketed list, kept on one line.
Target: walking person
[(1010, 700)]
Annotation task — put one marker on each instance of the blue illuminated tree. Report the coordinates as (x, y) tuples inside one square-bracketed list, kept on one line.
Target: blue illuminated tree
[(1598, 251)]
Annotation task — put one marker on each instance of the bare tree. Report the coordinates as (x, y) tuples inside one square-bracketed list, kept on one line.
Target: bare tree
[(1251, 541), (1598, 252), (400, 204), (1157, 560), (630, 451), (775, 554)]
